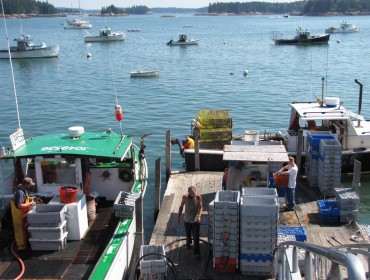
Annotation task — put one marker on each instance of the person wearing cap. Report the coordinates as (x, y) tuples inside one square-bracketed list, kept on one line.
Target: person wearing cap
[(20, 205)]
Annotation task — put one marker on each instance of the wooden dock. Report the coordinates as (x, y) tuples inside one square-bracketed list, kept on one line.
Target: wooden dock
[(172, 235)]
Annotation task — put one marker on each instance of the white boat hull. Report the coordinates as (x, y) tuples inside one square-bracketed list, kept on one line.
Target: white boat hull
[(109, 38), (135, 74), (188, 43), (78, 26), (42, 52)]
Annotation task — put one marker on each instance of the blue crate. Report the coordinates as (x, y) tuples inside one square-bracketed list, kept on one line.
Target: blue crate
[(329, 211), (315, 141), (328, 206), (298, 232), (256, 257)]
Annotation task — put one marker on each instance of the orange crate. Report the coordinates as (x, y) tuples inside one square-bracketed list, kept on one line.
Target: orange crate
[(282, 180), (225, 264)]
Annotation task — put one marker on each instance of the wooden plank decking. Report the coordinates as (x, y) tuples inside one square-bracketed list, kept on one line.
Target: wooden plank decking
[(171, 234)]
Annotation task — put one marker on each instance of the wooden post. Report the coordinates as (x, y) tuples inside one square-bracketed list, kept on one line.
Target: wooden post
[(157, 190), (168, 155), (196, 149), (299, 150)]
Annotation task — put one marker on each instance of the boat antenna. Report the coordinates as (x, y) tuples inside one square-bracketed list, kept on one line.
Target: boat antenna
[(11, 66), (114, 83), (327, 66)]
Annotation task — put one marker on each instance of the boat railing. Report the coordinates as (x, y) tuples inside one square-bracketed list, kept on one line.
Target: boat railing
[(321, 262)]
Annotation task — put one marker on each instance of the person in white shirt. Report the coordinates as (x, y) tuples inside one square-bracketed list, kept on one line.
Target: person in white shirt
[(292, 170)]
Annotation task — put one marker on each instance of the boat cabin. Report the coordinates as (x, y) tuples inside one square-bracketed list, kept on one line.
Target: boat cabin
[(105, 31), (349, 128), (24, 42), (183, 38)]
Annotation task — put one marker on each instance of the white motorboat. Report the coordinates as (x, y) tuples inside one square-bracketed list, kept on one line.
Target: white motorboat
[(184, 40), (344, 27), (77, 23), (105, 35), (141, 74), (27, 49)]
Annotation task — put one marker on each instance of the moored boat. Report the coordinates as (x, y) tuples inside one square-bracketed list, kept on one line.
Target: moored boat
[(145, 73), (27, 49), (77, 23), (105, 35), (302, 37), (183, 40), (344, 27)]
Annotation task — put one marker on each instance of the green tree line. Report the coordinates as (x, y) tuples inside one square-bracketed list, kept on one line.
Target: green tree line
[(28, 7), (310, 7)]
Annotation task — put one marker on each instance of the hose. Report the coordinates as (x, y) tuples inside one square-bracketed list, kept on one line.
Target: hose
[(20, 262)]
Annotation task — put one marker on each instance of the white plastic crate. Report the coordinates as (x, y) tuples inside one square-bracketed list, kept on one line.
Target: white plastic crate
[(256, 268), (49, 245), (53, 233), (259, 206), (227, 199), (348, 216), (49, 215), (124, 205), (259, 192), (347, 198), (152, 263)]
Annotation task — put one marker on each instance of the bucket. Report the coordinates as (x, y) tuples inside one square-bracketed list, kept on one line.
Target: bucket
[(251, 135), (282, 180), (91, 209), (67, 194)]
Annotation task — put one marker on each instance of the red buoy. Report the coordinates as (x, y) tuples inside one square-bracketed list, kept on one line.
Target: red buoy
[(118, 111)]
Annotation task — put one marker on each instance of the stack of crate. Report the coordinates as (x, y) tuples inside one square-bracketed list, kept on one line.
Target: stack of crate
[(259, 212), (226, 231), (330, 166), (47, 227), (215, 128), (312, 159), (211, 217), (328, 211), (348, 201), (153, 264)]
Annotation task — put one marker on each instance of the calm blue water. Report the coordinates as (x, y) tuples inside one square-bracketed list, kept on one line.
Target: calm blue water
[(54, 94)]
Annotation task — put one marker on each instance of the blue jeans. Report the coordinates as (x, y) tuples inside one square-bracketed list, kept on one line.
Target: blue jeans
[(290, 195), (189, 229), (181, 141)]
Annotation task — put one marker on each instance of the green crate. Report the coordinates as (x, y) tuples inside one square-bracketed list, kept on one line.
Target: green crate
[(214, 118), (215, 134)]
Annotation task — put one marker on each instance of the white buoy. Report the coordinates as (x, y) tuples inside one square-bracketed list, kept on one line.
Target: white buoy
[(245, 73), (88, 55)]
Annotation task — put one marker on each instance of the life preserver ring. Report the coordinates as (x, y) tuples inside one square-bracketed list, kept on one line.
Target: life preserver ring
[(126, 175)]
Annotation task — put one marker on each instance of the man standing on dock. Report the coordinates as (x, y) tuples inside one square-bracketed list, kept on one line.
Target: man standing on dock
[(292, 169), (193, 212)]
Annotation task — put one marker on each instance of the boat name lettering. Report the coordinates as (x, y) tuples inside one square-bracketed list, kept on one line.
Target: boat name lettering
[(64, 148)]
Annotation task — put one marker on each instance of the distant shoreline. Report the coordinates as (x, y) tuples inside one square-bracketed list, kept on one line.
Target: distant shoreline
[(331, 14)]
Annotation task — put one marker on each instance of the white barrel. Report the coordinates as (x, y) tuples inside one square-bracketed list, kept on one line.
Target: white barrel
[(252, 135)]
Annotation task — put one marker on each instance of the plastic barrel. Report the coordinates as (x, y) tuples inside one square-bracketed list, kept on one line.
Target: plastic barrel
[(91, 208)]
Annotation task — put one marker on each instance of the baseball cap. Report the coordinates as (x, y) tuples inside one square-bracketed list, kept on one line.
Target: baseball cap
[(28, 180)]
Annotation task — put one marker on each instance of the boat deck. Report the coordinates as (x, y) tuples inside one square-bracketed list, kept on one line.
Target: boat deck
[(171, 234), (75, 261)]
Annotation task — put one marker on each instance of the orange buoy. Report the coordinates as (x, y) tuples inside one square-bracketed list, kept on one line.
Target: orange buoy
[(118, 111)]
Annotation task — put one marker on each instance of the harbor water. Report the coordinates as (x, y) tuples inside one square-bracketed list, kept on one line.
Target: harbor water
[(236, 66)]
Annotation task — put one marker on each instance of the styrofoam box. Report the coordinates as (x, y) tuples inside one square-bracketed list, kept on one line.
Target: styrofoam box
[(49, 245), (259, 191), (152, 263), (49, 215), (48, 232)]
